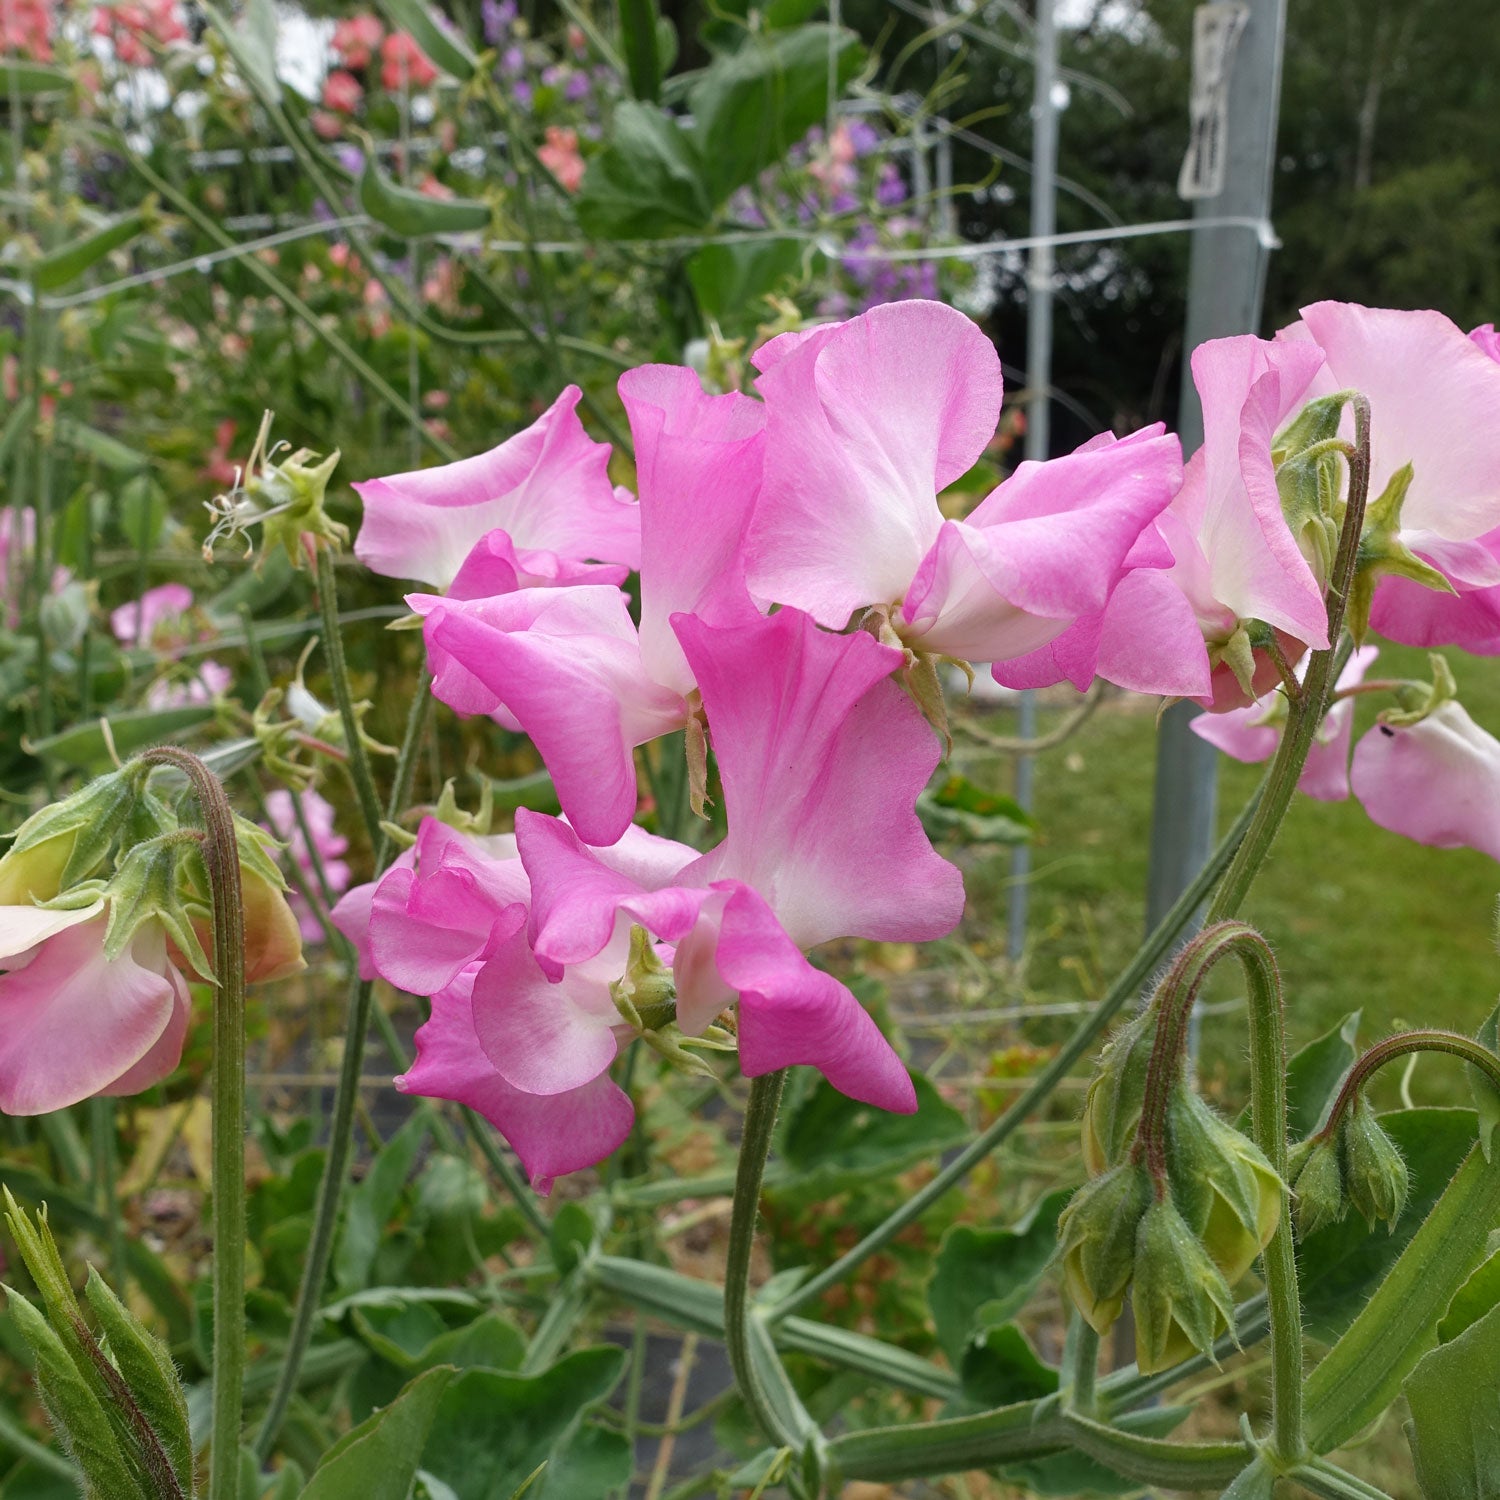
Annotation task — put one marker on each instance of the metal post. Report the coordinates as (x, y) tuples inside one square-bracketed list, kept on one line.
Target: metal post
[(1039, 276), (1226, 284)]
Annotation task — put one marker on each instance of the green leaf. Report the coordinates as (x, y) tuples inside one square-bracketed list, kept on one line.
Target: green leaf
[(730, 280), (1340, 1265), (999, 1367), (959, 808), (647, 183), (1472, 1301), (372, 1204), (572, 1235), (493, 1429), (69, 262), (1257, 1481), (252, 46), (829, 1142), (84, 745), (639, 37), (378, 1460), (412, 214), (450, 51), (983, 1277), (28, 80), (1454, 1396), (1314, 1074), (592, 1466), (147, 1368), (1482, 1086), (106, 450), (752, 106)]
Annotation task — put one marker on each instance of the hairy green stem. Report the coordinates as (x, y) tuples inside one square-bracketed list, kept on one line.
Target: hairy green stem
[(1326, 1479), (1125, 988), (1080, 1366), (221, 859), (755, 1146), (102, 1140)]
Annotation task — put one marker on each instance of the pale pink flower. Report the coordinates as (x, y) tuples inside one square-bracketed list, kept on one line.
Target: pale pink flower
[(156, 619), (404, 64), (560, 155), (329, 843), (342, 92)]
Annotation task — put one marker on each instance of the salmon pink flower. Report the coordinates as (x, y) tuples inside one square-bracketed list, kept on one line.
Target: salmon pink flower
[(356, 38), (559, 154), (342, 92), (403, 64)]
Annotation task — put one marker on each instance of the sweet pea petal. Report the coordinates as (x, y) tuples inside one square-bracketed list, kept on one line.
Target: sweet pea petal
[(352, 912), (821, 758), (162, 1059), (792, 1013), (547, 487), (567, 664), (495, 565), (1469, 617), (72, 1022), (23, 927), (552, 1134), (1436, 781), (1434, 398), (867, 421), (698, 466)]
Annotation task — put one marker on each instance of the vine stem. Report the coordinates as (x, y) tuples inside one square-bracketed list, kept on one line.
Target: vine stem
[(755, 1147), (1403, 1044), (222, 861)]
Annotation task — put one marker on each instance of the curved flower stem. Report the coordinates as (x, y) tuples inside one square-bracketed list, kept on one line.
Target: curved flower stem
[(1080, 1366), (744, 1358), (222, 860), (1125, 988), (1403, 1044)]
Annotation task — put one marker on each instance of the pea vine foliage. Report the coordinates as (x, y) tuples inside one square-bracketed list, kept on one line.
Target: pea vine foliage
[(776, 677)]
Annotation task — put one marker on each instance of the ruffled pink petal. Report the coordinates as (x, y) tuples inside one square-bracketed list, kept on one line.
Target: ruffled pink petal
[(552, 1134), (546, 1037), (577, 892), (567, 664), (72, 1022), (161, 1061), (698, 466), (1249, 734), (1487, 339), (547, 487), (463, 898), (1047, 547), (352, 912), (792, 1013), (1469, 618), (135, 623), (1325, 776), (1249, 386), (1434, 398), (822, 758), (866, 423), (1436, 781), (496, 565)]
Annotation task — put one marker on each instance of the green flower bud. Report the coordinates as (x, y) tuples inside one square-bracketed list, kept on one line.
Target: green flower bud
[(1317, 1181), (1096, 1238), (1227, 1192), (1375, 1176), (1112, 1108), (66, 842), (1182, 1302)]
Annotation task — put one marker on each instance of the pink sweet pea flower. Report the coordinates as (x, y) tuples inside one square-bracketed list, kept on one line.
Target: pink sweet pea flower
[(821, 758), (1436, 781), (1232, 555), (342, 92), (158, 611), (403, 64), (561, 157), (330, 845), (867, 421), (74, 1023), (531, 512), (1254, 733), (356, 39), (568, 665), (1434, 396)]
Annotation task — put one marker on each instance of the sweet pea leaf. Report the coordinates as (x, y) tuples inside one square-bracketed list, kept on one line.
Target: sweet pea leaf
[(85, 746), (1472, 1301), (28, 80), (373, 1202), (1454, 1431), (829, 1142), (1340, 1265), (730, 280), (1314, 1073), (494, 1429), (751, 106), (572, 1236), (1000, 1367), (647, 183), (378, 1460), (593, 1465), (983, 1277), (960, 809), (1482, 1086)]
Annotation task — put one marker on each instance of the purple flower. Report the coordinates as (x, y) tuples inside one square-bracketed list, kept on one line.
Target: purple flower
[(890, 189)]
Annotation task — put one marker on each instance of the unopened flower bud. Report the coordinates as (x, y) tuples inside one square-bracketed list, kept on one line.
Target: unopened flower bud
[(1317, 1182), (1375, 1176), (1226, 1190), (1182, 1302), (1112, 1109), (273, 936), (66, 843), (1097, 1236)]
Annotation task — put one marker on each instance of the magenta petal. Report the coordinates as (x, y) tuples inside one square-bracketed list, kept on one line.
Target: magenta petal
[(577, 892), (545, 1038), (567, 664), (792, 1013), (463, 898), (822, 758), (552, 1134), (547, 487), (867, 421), (496, 565), (698, 466), (135, 623), (1436, 781), (72, 1023), (351, 913)]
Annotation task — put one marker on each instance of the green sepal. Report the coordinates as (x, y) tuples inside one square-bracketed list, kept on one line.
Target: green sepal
[(147, 1368), (1382, 554), (1238, 654), (1112, 1107), (256, 848), (1096, 1235), (1182, 1302), (68, 841), (1317, 423), (476, 824), (147, 886), (81, 1418), (1309, 484), (1416, 701), (645, 994), (1316, 1177), (1375, 1177), (294, 491)]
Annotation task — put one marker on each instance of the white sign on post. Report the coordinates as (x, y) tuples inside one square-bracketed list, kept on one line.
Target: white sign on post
[(1217, 29)]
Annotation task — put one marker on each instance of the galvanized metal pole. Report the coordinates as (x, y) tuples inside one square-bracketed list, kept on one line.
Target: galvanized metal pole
[(1226, 286), (1039, 276)]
